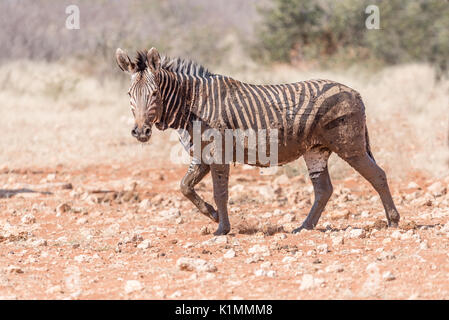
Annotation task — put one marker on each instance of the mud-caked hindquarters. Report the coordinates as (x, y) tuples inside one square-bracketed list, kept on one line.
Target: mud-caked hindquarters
[(342, 124)]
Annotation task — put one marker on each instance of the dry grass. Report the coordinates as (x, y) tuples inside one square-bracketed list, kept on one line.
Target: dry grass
[(57, 113)]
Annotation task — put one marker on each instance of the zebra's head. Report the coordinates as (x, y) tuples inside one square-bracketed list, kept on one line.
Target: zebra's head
[(145, 98)]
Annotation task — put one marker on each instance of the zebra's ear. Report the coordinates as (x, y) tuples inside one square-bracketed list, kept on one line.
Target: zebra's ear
[(154, 60), (124, 62)]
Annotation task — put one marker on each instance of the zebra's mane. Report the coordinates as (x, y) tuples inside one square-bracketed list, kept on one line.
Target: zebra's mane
[(178, 65)]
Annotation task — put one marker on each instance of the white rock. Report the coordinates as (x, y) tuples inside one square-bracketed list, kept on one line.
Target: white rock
[(82, 220), (39, 243), (334, 268), (424, 245), (288, 260), (81, 258), (280, 236), (62, 208), (309, 282), (437, 189), (191, 264), (357, 234), (396, 234), (388, 276), (28, 219), (145, 244), (216, 240), (54, 289), (266, 192), (271, 273), (413, 185), (260, 272), (259, 249), (338, 240), (175, 294), (408, 235), (265, 265), (282, 179), (323, 248), (287, 218), (132, 286), (144, 204), (365, 214), (229, 254), (170, 214)]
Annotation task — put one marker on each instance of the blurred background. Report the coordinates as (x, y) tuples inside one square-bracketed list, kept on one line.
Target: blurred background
[(63, 98)]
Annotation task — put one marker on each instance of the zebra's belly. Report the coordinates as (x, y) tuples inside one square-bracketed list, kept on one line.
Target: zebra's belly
[(280, 155), (275, 151)]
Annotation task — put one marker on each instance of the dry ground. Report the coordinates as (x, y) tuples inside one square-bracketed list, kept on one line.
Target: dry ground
[(85, 212)]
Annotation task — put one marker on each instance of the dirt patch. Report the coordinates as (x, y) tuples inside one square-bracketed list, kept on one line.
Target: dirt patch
[(124, 232)]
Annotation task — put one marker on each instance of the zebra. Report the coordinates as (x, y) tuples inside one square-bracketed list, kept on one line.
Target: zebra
[(314, 118)]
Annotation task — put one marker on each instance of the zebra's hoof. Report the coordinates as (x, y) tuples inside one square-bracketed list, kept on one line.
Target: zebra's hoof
[(393, 224), (303, 227), (221, 231)]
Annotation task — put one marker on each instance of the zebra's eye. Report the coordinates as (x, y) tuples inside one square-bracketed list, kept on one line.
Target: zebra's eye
[(129, 94)]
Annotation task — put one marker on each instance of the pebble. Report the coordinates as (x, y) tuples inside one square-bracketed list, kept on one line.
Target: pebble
[(132, 286), (323, 248), (259, 249), (424, 245), (144, 204), (309, 282), (14, 269), (229, 254), (28, 219), (288, 260), (62, 208), (388, 276), (338, 240), (170, 214), (287, 218), (39, 243), (334, 268), (437, 189), (357, 234), (191, 264), (54, 289), (145, 244), (280, 236), (204, 230), (396, 234), (82, 220)]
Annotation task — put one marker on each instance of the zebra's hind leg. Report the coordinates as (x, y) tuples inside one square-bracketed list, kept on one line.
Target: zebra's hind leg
[(220, 179), (194, 175), (368, 168), (316, 161)]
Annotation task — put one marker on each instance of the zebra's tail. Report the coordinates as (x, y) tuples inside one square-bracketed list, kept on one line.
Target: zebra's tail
[(368, 147)]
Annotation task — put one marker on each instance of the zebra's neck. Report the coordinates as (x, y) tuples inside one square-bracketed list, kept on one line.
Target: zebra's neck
[(181, 95)]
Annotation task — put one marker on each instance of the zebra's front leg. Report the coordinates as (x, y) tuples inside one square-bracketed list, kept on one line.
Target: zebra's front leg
[(194, 175), (316, 161), (220, 178)]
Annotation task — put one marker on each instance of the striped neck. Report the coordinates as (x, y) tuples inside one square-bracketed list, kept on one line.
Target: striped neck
[(179, 93)]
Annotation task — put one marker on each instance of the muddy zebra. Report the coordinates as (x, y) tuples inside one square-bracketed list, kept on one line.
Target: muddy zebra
[(313, 118)]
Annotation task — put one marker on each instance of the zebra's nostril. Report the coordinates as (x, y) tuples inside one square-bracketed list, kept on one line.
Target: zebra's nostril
[(134, 132), (147, 132)]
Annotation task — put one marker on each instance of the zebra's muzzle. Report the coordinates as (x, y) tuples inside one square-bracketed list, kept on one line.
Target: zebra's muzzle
[(141, 134)]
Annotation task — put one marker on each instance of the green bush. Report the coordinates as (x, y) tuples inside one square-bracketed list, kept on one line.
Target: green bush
[(319, 30)]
